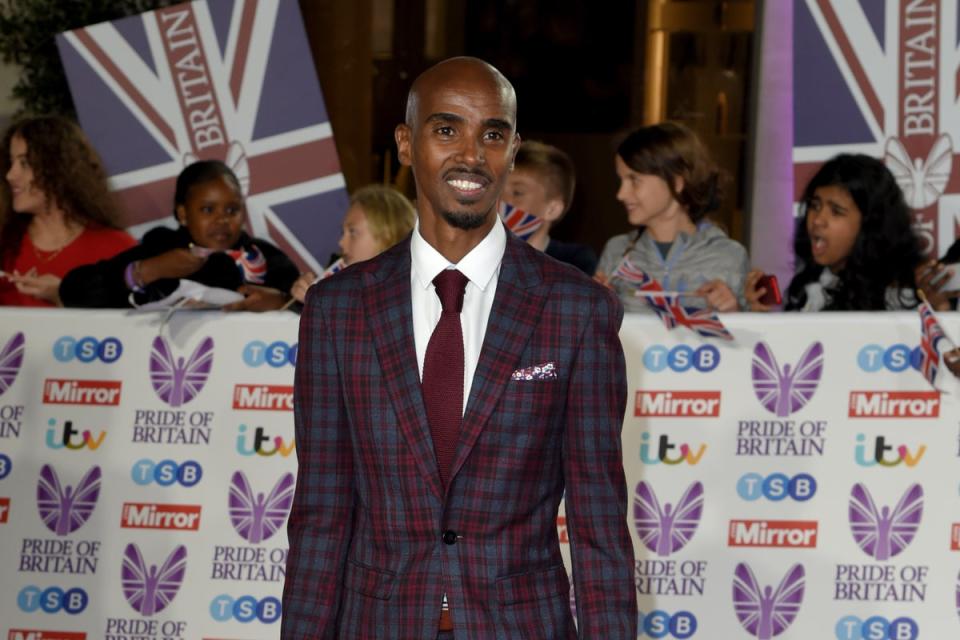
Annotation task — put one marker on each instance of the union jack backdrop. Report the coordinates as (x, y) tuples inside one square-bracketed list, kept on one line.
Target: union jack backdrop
[(231, 80), (880, 77)]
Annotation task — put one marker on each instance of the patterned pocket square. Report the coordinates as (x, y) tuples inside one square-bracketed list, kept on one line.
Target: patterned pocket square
[(543, 371)]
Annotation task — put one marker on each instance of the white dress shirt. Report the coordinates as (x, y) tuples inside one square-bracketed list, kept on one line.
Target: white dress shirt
[(482, 268)]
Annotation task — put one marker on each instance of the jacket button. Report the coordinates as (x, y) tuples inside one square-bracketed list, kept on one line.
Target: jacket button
[(449, 537)]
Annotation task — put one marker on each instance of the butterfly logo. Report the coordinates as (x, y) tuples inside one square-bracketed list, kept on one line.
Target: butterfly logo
[(785, 391), (666, 530), (176, 382), (766, 613), (881, 533), (151, 590), (923, 182), (10, 360), (257, 518), (65, 509)]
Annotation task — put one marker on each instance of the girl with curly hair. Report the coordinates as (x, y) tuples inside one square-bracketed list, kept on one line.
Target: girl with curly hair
[(56, 212), (854, 246)]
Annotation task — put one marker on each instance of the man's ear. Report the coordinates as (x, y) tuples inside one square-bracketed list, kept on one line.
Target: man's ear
[(553, 210), (181, 212), (516, 148), (402, 136)]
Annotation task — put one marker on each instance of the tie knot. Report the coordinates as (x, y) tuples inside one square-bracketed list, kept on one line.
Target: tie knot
[(450, 285)]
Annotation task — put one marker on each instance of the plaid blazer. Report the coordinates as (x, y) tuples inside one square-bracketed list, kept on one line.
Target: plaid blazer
[(369, 557)]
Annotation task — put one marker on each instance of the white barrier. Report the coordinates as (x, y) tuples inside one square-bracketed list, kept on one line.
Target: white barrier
[(144, 483)]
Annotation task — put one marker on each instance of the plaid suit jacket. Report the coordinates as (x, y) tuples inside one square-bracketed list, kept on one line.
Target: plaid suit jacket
[(367, 553)]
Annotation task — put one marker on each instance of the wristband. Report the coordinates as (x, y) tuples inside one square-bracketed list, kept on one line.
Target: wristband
[(131, 275)]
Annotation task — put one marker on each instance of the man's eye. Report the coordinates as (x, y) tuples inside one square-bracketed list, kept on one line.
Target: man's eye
[(494, 135), (445, 131)]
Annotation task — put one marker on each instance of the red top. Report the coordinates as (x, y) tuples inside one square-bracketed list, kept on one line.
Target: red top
[(93, 243)]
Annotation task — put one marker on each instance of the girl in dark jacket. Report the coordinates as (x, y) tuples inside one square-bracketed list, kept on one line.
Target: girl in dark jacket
[(209, 247)]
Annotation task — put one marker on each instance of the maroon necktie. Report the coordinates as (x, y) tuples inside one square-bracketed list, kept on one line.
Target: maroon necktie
[(443, 371)]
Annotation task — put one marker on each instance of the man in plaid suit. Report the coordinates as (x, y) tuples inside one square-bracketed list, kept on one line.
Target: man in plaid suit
[(390, 537)]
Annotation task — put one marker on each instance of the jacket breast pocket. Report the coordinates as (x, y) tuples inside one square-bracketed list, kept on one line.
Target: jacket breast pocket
[(369, 581), (533, 585)]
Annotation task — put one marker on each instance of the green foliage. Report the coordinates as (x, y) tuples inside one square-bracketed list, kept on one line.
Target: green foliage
[(27, 38)]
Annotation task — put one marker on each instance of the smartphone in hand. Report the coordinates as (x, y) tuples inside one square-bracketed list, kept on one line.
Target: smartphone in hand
[(772, 295)]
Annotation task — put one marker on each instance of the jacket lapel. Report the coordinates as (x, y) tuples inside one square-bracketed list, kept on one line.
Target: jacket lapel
[(386, 295), (516, 306)]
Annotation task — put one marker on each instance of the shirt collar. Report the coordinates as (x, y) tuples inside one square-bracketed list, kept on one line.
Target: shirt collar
[(480, 265)]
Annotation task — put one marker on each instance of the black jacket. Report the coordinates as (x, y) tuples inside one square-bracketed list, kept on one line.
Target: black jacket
[(102, 284)]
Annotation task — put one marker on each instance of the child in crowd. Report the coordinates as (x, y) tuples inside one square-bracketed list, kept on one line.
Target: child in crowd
[(542, 183), (378, 218), (854, 247), (668, 184), (209, 247), (56, 212)]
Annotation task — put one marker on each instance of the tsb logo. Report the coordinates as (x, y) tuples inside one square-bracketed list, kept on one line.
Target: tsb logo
[(776, 487), (166, 472), (52, 600), (681, 358), (276, 354), (245, 609), (660, 624), (87, 349), (897, 358), (6, 466), (877, 628)]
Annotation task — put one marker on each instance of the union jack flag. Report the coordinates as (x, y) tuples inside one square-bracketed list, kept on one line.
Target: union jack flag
[(890, 71), (336, 267), (232, 81), (251, 262), (522, 224), (704, 322), (632, 274), (931, 334)]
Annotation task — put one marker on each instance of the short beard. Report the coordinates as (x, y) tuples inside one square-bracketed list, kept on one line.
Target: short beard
[(464, 220)]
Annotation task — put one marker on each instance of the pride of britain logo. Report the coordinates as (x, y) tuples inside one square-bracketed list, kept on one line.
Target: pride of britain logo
[(66, 509), (11, 359), (882, 533), (256, 517), (178, 381), (784, 391), (665, 530), (149, 590), (766, 613)]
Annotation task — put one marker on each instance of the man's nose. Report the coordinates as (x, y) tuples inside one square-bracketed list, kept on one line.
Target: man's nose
[(471, 151)]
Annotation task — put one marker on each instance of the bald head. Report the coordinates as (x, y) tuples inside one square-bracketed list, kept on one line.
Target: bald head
[(456, 71)]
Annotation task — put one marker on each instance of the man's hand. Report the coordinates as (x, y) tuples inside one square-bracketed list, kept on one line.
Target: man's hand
[(257, 298), (719, 296)]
